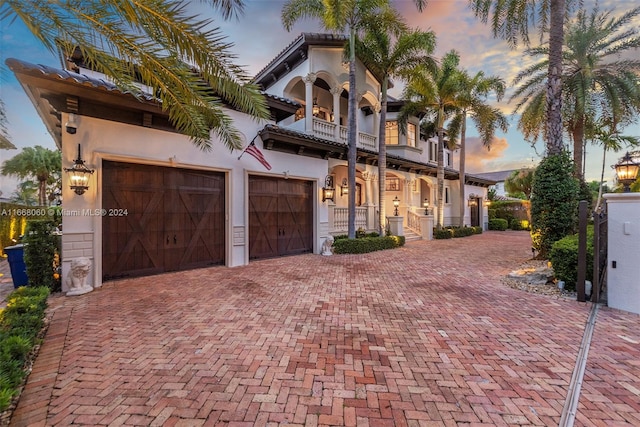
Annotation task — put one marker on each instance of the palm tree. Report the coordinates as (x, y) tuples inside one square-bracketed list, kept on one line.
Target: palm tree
[(434, 92), (37, 163), (520, 181), (344, 16), (26, 194), (390, 52), (596, 79), (511, 19), (5, 142), (156, 43), (472, 100)]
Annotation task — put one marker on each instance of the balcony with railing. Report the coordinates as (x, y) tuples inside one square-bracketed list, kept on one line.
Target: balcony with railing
[(327, 130)]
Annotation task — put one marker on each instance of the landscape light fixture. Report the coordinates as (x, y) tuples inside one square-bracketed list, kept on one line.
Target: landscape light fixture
[(426, 206), (626, 171), (396, 203), (344, 188), (328, 192), (79, 175)]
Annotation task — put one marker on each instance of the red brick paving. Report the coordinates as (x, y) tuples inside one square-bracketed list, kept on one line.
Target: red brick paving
[(425, 335)]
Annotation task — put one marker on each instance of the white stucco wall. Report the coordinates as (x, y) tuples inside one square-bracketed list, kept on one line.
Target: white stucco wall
[(104, 140), (623, 247)]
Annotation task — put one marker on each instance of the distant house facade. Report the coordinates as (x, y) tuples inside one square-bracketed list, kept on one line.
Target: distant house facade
[(157, 203), (499, 177)]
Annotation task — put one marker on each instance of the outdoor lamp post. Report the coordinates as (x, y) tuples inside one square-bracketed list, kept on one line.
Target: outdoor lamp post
[(79, 175), (426, 206), (626, 171), (396, 203)]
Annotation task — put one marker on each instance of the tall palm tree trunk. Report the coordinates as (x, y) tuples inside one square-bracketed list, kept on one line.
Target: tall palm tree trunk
[(352, 147), (604, 163), (554, 82), (382, 157), (440, 172), (578, 146), (42, 192), (463, 135)]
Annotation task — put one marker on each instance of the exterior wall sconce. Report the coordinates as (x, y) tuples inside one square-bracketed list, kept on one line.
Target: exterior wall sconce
[(486, 202), (316, 109), (396, 203), (79, 175), (328, 192), (344, 188), (426, 206), (626, 172), (472, 202)]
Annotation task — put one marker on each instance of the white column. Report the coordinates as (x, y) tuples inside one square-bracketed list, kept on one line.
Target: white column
[(309, 79), (336, 91)]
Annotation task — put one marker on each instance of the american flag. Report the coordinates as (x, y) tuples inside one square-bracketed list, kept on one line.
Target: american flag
[(255, 152)]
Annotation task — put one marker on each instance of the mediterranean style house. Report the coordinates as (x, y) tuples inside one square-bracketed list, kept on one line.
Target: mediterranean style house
[(157, 203)]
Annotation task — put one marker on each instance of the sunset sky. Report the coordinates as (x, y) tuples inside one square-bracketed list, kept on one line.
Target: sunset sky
[(258, 36)]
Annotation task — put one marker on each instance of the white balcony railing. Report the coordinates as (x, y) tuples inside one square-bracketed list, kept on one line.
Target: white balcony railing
[(327, 130), (413, 221)]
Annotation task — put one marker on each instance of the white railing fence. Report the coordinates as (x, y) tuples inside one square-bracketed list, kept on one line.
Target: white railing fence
[(413, 221), (341, 219)]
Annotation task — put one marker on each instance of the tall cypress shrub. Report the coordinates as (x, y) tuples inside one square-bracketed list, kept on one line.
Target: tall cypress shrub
[(554, 202), (40, 252)]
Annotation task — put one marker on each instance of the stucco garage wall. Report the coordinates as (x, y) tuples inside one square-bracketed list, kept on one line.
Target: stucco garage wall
[(105, 140)]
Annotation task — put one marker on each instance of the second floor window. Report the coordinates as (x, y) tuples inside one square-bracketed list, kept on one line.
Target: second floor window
[(391, 133), (411, 135)]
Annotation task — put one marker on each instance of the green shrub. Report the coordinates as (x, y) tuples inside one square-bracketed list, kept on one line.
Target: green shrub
[(41, 247), (515, 224), (564, 259), (554, 202), (367, 244), (20, 323), (443, 233), (462, 231), (498, 224), (477, 229)]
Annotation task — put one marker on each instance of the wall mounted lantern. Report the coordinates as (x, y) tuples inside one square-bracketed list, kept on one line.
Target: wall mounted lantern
[(328, 192), (626, 171), (396, 203), (473, 201), (426, 206), (344, 188), (316, 109), (79, 175), (486, 202)]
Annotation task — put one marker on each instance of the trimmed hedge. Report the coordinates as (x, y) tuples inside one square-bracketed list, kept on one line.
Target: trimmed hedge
[(40, 250), (450, 232), (363, 245), (564, 259), (498, 224), (20, 324)]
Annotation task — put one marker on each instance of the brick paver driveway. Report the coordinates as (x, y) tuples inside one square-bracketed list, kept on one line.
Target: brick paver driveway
[(422, 335)]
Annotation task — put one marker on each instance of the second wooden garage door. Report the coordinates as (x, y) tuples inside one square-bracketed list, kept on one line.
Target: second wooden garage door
[(280, 217), (160, 219)]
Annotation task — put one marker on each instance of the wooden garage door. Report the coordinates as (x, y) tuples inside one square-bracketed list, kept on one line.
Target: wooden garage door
[(280, 217), (160, 219)]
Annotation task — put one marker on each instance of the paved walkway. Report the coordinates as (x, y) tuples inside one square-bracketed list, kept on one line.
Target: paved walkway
[(424, 335)]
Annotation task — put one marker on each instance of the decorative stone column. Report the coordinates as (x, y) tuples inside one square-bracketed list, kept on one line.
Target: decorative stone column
[(426, 226), (396, 225), (336, 91), (309, 79)]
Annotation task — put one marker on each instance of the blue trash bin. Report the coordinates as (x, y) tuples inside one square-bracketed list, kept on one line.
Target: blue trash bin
[(15, 256)]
